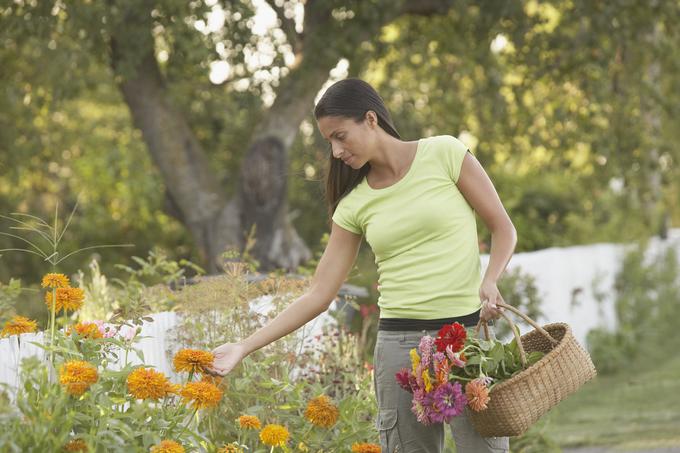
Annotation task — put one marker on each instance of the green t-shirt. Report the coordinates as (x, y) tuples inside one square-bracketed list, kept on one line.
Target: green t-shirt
[(423, 234)]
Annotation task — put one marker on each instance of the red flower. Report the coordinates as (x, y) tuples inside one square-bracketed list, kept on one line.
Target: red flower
[(451, 334)]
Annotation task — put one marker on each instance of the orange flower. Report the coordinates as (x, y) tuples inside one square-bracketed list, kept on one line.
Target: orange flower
[(215, 380), (55, 281), (18, 325), (230, 448), (249, 422), (76, 445), (146, 383), (77, 376), (202, 394), (274, 435), (477, 395), (192, 360), (68, 299), (86, 330), (322, 412), (167, 446), (365, 448)]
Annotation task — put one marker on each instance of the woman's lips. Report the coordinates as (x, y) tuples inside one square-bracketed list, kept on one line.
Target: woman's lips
[(347, 160)]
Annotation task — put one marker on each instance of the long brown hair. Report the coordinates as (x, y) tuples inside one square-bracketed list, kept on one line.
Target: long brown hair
[(350, 98)]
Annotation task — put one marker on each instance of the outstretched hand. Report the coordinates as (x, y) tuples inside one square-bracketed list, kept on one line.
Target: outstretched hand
[(489, 294), (227, 356)]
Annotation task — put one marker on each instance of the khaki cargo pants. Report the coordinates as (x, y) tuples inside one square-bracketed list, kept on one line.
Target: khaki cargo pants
[(399, 429)]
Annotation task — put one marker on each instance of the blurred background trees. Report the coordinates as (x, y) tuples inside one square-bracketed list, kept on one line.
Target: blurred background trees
[(185, 124)]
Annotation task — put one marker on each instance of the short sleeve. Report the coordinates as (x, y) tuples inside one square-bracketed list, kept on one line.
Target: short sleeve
[(454, 153), (345, 217)]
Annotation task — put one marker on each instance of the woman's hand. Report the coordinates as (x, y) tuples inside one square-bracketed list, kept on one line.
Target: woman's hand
[(227, 357), (489, 294)]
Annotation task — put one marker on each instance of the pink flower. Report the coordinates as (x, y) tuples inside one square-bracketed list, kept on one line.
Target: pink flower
[(454, 357), (425, 347), (107, 330)]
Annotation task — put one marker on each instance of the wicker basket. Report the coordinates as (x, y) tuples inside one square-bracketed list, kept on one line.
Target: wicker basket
[(515, 404)]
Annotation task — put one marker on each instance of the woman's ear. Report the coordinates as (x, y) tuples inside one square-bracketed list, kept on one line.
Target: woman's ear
[(371, 118)]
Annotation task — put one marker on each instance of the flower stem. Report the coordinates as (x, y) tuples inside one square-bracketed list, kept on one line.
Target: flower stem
[(53, 315)]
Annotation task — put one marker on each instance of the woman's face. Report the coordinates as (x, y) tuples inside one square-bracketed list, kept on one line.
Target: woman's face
[(350, 141)]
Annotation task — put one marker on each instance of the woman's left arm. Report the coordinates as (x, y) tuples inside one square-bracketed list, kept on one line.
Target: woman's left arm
[(480, 193)]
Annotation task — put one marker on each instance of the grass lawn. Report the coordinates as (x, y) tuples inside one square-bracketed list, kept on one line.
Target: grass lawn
[(637, 409)]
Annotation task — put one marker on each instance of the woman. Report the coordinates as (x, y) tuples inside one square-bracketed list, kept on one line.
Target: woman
[(415, 201)]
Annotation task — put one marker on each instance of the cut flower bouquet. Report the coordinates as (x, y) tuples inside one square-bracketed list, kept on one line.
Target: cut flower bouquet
[(457, 369)]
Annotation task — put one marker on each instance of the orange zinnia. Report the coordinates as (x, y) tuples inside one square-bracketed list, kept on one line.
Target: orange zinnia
[(202, 394), (477, 395), (365, 448), (167, 446), (86, 330), (55, 281), (192, 360), (149, 384), (77, 376), (68, 299), (18, 325), (322, 412), (249, 421)]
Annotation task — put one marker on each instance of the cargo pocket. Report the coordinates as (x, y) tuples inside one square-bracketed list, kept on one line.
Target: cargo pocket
[(389, 433), (498, 444)]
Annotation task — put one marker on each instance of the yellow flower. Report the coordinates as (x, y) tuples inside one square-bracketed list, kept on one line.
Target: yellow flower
[(415, 359), (76, 445), (167, 446), (202, 394), (365, 448), (18, 325), (302, 447), (77, 376), (86, 330), (477, 395), (322, 412), (192, 360), (274, 435), (249, 422), (427, 380), (68, 299), (231, 448), (55, 281), (145, 383)]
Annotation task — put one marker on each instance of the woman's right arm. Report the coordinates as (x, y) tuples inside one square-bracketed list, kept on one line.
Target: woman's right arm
[(334, 265)]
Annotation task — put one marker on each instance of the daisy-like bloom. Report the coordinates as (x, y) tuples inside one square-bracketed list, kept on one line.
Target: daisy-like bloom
[(68, 299), (451, 334), (192, 360), (201, 394), (18, 325), (365, 448), (425, 347), (86, 330), (249, 422), (477, 395), (77, 376), (274, 435), (149, 384), (448, 402), (231, 448), (76, 445), (167, 446), (322, 412), (55, 281), (415, 359)]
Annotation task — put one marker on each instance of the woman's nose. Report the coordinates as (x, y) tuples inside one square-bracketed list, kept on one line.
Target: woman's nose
[(337, 152)]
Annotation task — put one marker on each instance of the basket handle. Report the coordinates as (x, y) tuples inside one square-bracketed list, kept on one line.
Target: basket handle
[(522, 353)]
